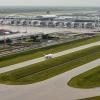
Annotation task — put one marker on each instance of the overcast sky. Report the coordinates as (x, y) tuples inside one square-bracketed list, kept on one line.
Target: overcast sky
[(50, 2)]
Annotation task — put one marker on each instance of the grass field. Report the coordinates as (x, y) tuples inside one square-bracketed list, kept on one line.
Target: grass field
[(92, 98), (16, 58), (49, 68), (89, 79)]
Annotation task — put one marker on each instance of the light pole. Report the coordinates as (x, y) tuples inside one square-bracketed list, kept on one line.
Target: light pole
[(4, 40)]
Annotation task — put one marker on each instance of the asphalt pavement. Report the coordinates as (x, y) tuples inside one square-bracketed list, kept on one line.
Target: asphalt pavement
[(33, 61)]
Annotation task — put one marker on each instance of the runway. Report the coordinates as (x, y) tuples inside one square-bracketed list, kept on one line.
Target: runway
[(55, 88), (33, 61)]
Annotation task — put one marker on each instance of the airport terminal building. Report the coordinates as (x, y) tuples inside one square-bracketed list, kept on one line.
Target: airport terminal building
[(53, 21)]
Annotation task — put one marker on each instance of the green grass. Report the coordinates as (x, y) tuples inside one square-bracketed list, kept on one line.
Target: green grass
[(20, 57), (49, 68), (92, 98), (89, 79)]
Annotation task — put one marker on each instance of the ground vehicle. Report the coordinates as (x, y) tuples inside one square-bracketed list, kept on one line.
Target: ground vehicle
[(48, 56)]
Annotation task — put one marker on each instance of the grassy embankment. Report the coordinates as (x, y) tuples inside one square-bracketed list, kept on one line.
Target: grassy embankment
[(92, 98), (89, 79), (20, 57), (49, 68)]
